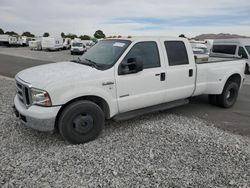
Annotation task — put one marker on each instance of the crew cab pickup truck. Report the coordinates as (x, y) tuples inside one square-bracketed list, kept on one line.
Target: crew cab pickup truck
[(120, 79)]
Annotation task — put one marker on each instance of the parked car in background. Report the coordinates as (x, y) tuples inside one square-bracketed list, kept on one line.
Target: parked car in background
[(209, 44), (200, 51), (14, 41), (25, 40), (35, 44), (52, 43), (233, 48), (88, 43), (4, 40), (78, 48), (120, 79), (66, 43)]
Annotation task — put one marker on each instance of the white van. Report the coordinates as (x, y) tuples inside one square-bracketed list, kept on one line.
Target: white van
[(35, 44), (25, 40), (78, 48), (66, 43), (52, 43), (4, 40), (232, 48), (14, 41)]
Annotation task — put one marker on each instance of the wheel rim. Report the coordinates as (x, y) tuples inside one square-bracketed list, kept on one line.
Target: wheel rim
[(230, 96), (83, 123)]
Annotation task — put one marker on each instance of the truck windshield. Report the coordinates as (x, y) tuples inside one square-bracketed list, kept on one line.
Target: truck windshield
[(106, 52), (77, 44), (248, 49)]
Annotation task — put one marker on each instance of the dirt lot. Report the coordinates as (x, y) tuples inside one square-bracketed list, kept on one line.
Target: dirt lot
[(55, 56), (157, 150)]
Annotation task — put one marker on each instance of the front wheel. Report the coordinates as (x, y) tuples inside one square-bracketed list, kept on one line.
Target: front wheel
[(229, 95), (81, 121)]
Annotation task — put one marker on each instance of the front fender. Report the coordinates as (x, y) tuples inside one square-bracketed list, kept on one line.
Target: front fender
[(61, 97)]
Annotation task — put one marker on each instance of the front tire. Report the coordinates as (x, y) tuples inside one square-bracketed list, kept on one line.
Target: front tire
[(229, 95), (81, 121)]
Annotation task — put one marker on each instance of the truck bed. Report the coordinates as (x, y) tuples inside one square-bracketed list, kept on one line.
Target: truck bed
[(218, 59)]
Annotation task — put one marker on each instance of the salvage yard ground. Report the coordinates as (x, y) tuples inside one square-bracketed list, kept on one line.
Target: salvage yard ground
[(55, 56), (161, 149)]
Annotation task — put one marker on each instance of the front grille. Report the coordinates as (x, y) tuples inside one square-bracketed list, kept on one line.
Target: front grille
[(23, 93)]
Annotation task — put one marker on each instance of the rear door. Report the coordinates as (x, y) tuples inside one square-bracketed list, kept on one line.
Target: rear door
[(180, 70), (144, 88)]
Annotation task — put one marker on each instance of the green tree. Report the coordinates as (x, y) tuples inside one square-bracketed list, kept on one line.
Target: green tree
[(71, 36), (11, 33), (46, 34), (62, 35), (1, 31), (99, 34), (84, 37), (28, 34)]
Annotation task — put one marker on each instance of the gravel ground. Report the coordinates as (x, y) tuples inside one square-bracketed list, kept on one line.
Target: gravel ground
[(157, 150), (25, 52)]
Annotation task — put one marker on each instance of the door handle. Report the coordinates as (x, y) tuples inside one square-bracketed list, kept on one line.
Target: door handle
[(190, 72), (162, 76)]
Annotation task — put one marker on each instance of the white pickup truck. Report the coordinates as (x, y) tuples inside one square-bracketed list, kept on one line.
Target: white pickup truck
[(120, 79)]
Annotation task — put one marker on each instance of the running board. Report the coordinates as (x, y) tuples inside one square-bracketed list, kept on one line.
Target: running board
[(151, 109)]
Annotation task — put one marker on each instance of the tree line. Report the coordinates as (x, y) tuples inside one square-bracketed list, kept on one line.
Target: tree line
[(98, 34)]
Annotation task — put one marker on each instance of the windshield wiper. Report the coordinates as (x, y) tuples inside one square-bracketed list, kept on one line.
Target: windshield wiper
[(87, 62), (94, 64)]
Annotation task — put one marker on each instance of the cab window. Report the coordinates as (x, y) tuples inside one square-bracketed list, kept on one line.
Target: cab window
[(242, 53), (176, 52), (147, 52)]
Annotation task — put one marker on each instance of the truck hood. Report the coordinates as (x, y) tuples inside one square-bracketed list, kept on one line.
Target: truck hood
[(42, 76)]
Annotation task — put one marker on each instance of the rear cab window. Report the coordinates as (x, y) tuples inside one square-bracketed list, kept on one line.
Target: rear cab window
[(176, 53)]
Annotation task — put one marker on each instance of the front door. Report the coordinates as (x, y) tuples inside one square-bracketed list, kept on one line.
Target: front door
[(144, 88)]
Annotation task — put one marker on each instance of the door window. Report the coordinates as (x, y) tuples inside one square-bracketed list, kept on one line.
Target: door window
[(147, 52), (242, 53)]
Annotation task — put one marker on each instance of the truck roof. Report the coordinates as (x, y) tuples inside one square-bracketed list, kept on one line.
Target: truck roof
[(134, 38), (236, 41)]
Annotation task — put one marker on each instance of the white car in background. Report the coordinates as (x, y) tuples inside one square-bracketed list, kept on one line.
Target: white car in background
[(35, 44), (66, 43), (200, 51), (239, 47), (78, 48)]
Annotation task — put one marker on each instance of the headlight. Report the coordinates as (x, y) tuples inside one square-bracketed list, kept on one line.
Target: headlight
[(40, 97)]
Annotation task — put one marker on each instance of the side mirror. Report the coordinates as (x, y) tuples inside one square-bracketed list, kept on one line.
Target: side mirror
[(133, 65)]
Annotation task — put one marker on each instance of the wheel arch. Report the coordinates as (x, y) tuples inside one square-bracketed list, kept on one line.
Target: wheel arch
[(102, 103), (236, 77)]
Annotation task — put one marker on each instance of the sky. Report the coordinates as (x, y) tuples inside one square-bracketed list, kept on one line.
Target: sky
[(126, 17)]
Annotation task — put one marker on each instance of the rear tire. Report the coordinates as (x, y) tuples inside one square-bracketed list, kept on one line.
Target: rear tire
[(229, 95), (81, 121)]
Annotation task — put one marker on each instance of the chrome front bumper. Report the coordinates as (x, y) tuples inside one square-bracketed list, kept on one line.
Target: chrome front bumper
[(36, 117)]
